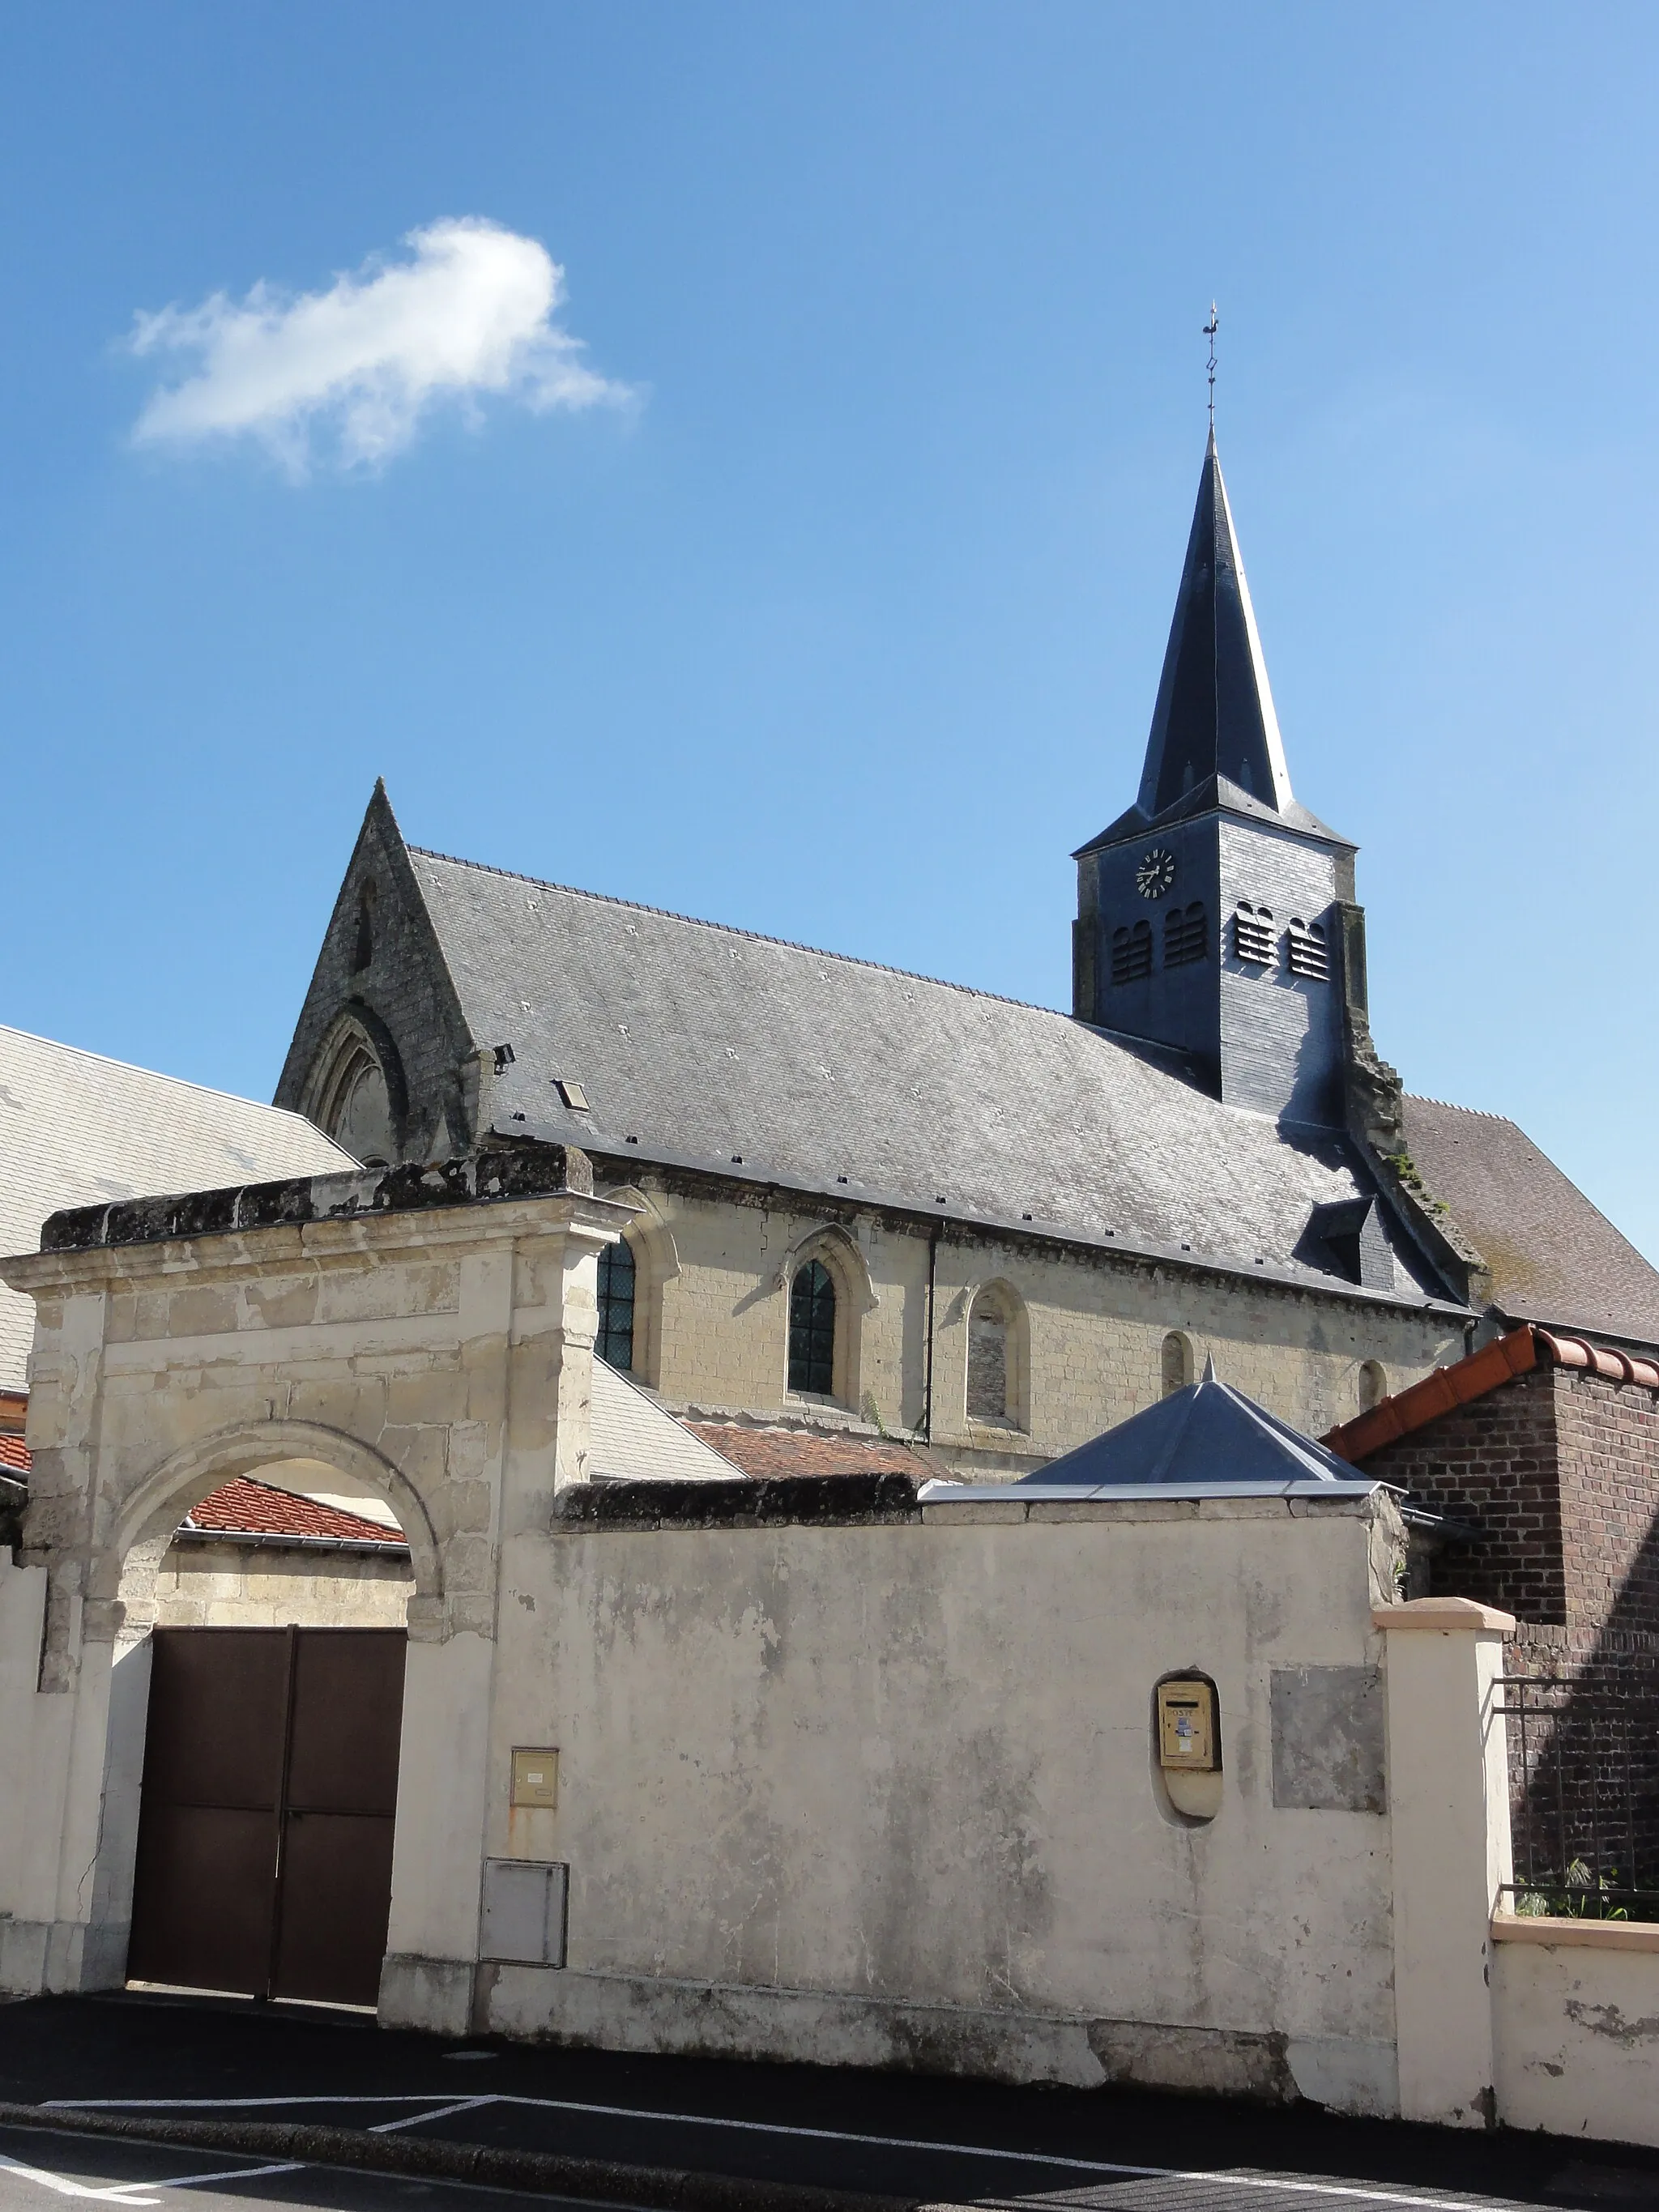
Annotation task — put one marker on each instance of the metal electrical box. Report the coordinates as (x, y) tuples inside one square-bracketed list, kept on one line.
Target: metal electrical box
[(1188, 1740), (535, 1778), (524, 1911)]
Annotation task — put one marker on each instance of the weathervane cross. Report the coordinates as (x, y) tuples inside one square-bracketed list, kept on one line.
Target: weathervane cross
[(1210, 329)]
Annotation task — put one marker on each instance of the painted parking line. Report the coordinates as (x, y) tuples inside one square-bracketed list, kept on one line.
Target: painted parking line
[(118, 2193), (123, 2193), (1440, 2201)]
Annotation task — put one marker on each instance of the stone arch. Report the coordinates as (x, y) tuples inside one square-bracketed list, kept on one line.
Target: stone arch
[(145, 1523), (656, 1264), (355, 1091), (999, 1353), (1373, 1384), (838, 1253)]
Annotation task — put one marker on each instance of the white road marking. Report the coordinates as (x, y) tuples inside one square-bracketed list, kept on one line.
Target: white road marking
[(1441, 2202), (226, 2104), (220, 2173), (119, 2194), (415, 2120)]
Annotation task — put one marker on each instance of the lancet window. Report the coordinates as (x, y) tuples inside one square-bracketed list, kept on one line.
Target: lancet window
[(615, 1340), (812, 1330)]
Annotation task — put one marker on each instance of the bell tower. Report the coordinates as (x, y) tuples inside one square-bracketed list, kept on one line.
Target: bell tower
[(1212, 915)]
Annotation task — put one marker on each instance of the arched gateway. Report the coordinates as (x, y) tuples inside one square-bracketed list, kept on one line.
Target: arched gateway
[(427, 1333)]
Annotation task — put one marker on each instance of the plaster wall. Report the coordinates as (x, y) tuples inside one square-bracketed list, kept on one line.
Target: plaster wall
[(1576, 2032), (718, 1335), (889, 1791)]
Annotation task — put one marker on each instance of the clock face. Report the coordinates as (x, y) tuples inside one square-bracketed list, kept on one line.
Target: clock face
[(1156, 873)]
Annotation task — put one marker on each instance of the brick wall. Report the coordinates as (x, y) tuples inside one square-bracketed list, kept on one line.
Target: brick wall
[(1559, 1470), (1496, 1465), (1607, 1443)]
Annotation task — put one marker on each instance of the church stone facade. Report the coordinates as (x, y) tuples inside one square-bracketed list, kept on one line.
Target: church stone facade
[(876, 1202)]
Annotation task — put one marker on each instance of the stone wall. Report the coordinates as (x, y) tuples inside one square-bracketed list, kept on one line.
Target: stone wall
[(712, 1321), (232, 1585)]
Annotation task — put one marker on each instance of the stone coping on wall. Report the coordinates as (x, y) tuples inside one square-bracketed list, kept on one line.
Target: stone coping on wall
[(844, 1501), (1580, 1935), (475, 1179), (849, 1501)]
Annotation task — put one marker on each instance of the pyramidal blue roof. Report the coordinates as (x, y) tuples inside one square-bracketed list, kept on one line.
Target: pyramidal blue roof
[(1206, 1441)]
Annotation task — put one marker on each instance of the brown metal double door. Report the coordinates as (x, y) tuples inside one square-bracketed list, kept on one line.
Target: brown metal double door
[(264, 1831)]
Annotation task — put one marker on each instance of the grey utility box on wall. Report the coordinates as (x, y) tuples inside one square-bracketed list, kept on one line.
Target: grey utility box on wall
[(524, 1911)]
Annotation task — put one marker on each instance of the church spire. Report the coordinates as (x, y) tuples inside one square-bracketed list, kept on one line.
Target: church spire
[(1214, 715)]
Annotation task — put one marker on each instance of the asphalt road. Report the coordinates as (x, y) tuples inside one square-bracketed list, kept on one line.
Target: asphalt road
[(894, 2134), (40, 2170)]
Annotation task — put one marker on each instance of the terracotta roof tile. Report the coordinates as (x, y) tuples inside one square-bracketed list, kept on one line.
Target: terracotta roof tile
[(247, 1508), (1483, 1371), (763, 1453), (14, 1455)]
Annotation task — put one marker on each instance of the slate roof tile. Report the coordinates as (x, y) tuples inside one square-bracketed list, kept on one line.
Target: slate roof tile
[(77, 1129), (702, 1042)]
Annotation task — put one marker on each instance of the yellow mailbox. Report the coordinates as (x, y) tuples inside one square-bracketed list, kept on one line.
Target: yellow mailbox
[(535, 1778), (1188, 1740)]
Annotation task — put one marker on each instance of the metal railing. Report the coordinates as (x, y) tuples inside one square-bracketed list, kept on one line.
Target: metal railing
[(1584, 1752)]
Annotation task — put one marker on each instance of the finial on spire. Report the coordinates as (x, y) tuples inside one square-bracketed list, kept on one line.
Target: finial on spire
[(1210, 329)]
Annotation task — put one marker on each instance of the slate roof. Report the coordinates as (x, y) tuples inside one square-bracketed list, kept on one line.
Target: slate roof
[(635, 1440), (77, 1129), (766, 1060), (1553, 1257), (1215, 738), (1206, 1441)]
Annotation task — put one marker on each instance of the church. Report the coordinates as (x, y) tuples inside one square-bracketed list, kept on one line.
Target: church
[(876, 1211)]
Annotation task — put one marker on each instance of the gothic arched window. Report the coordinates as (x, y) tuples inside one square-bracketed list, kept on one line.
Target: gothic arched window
[(812, 1330), (1373, 1385), (1185, 935), (1131, 952), (615, 1340), (988, 1360), (1178, 1363)]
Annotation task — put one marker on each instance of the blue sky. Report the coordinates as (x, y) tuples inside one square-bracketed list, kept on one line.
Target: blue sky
[(836, 611)]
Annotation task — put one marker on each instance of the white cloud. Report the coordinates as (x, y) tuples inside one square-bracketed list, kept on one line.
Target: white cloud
[(354, 369)]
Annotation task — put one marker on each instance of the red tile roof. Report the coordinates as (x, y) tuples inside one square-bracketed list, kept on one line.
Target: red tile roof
[(1484, 1370), (14, 1455), (247, 1508), (766, 1452)]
